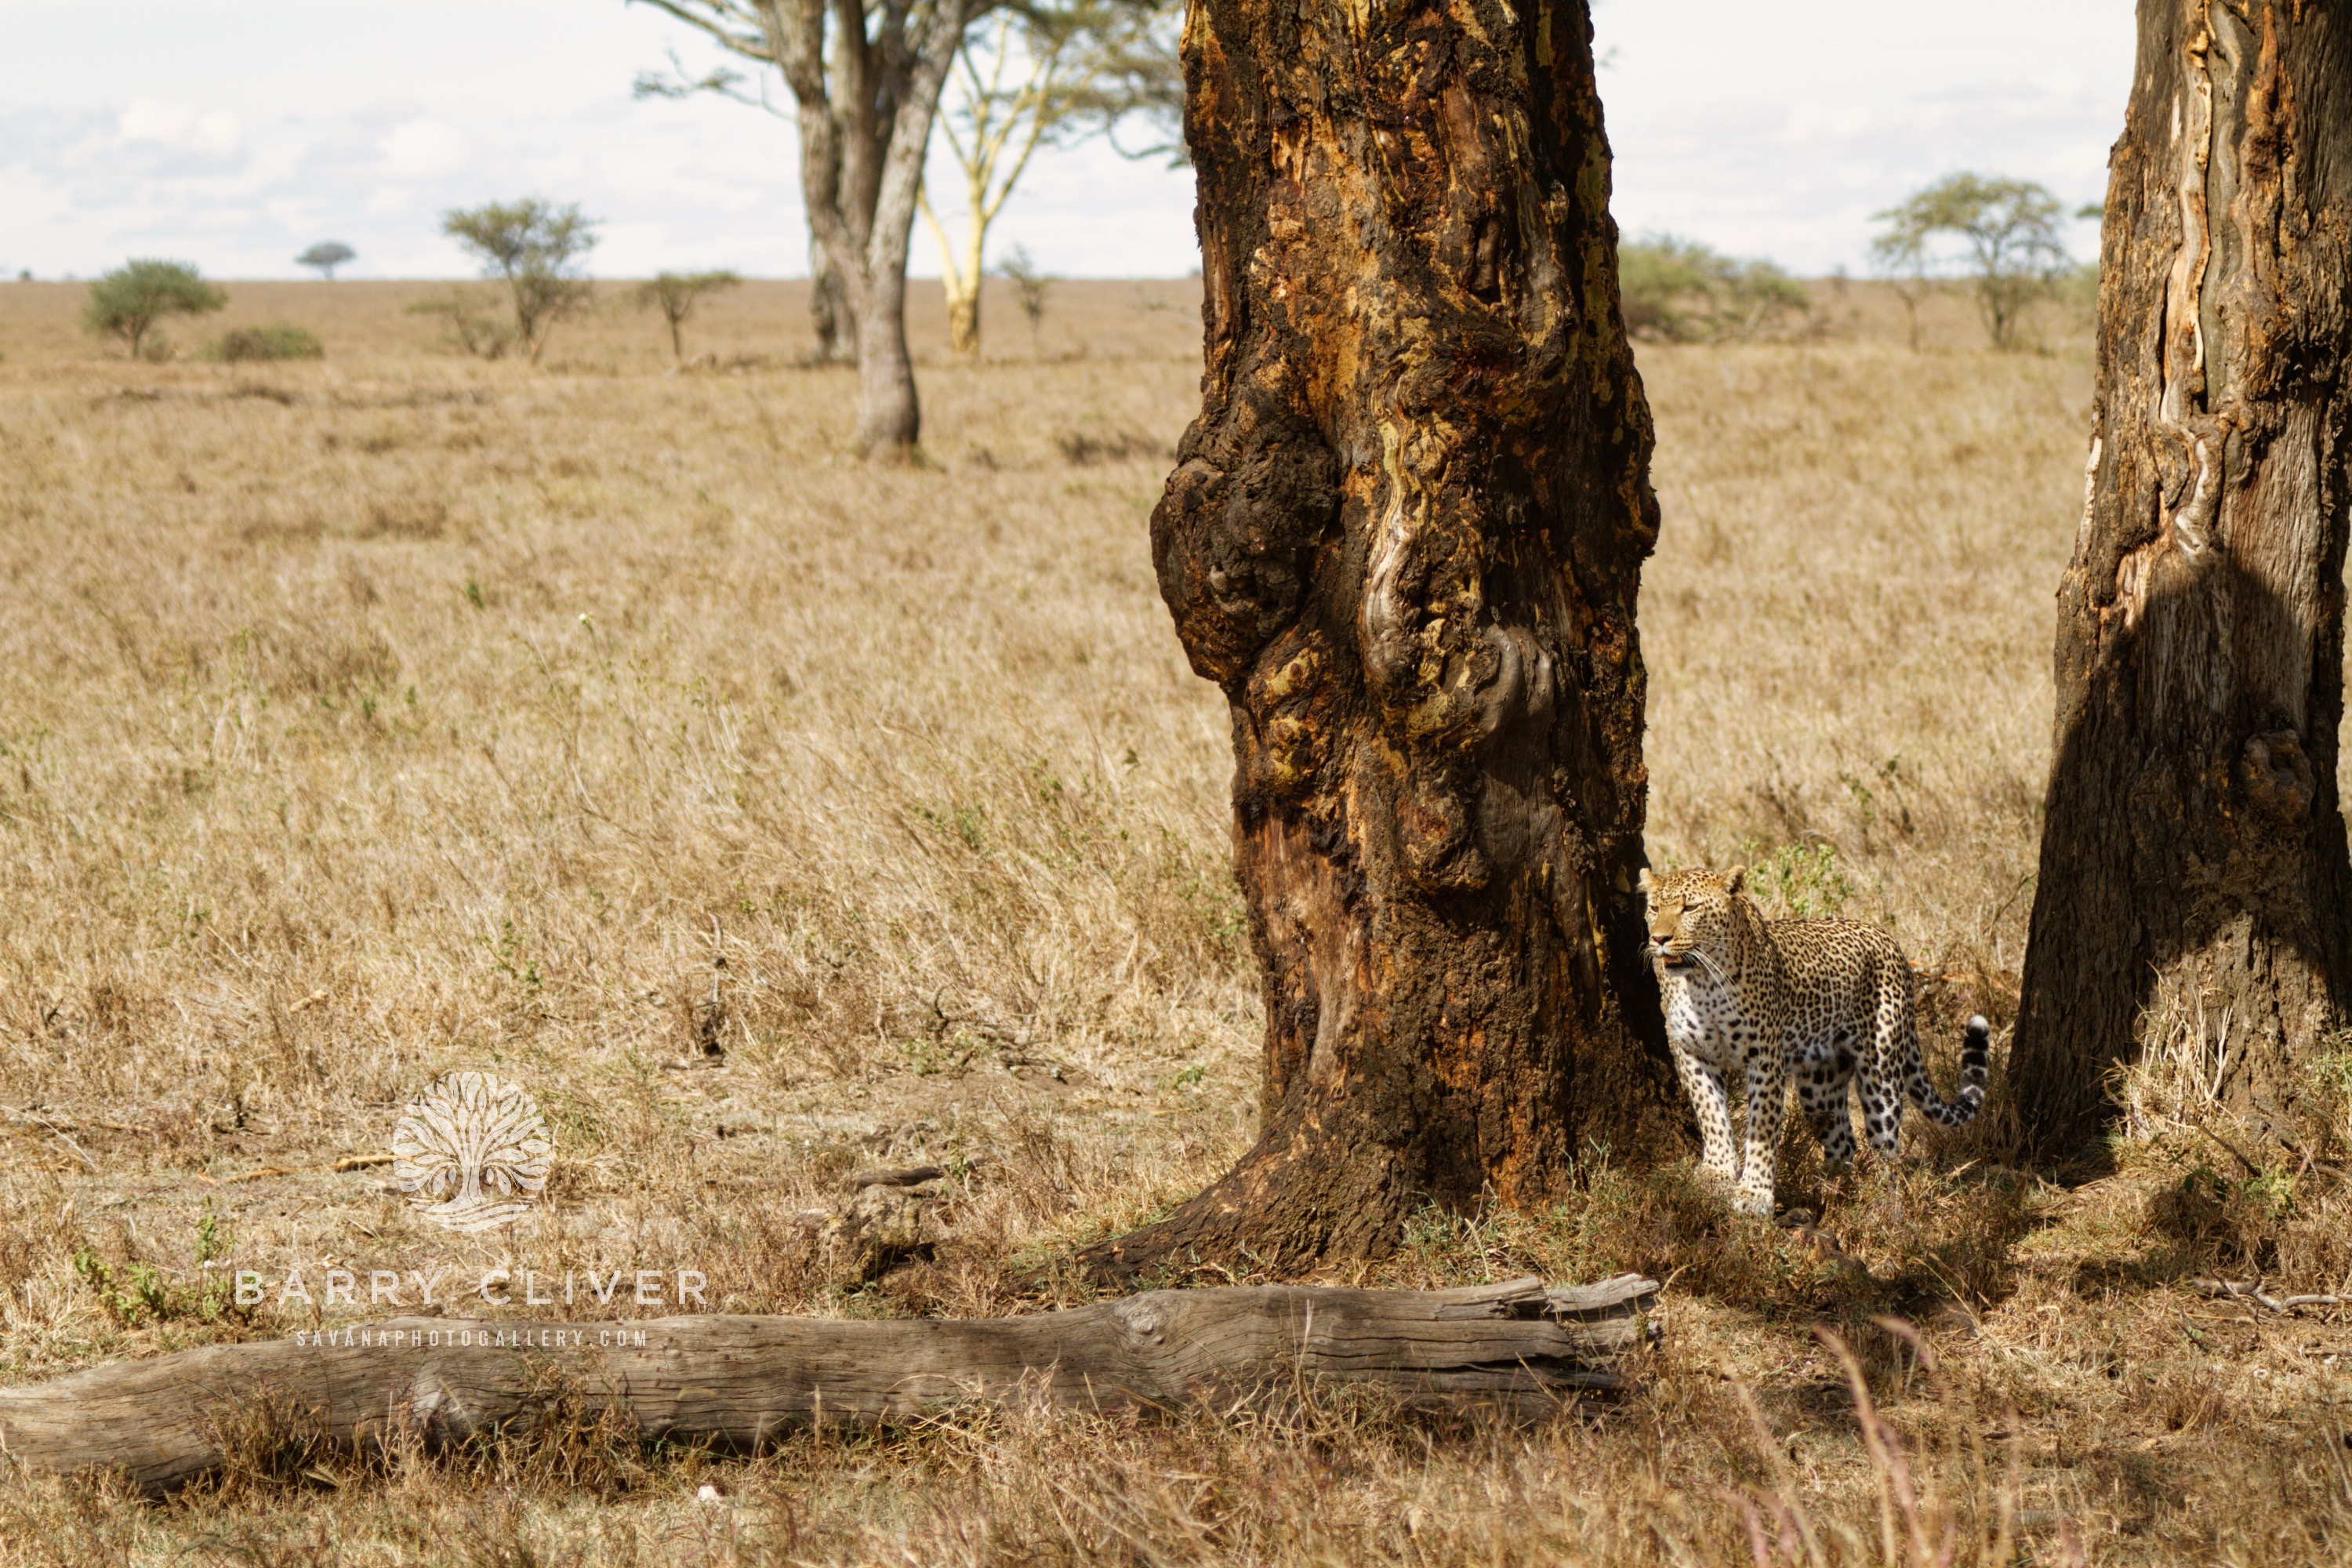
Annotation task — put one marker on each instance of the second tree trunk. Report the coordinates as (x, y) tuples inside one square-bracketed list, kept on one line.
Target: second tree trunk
[(2194, 895)]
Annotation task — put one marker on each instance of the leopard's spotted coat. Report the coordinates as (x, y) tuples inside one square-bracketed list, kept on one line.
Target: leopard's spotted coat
[(1826, 1002)]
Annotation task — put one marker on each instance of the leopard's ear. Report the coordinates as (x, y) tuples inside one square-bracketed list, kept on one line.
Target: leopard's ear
[(1735, 880), (1642, 880)]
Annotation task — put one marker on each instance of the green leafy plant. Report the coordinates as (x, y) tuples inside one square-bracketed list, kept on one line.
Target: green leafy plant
[(1881, 794), (509, 958), (1799, 880), (1683, 291), (142, 1293), (127, 302)]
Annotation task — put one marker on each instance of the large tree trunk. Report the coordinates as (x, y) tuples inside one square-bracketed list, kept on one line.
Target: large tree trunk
[(2193, 864), (1404, 536)]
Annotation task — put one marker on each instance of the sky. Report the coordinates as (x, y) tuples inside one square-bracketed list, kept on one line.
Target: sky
[(232, 134)]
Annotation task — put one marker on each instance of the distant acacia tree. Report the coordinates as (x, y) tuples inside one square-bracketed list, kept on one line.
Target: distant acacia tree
[(676, 294), (2002, 234), (326, 256), (535, 247), (127, 302)]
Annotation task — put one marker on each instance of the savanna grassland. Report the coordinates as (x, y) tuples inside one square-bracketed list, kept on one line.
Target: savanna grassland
[(769, 815)]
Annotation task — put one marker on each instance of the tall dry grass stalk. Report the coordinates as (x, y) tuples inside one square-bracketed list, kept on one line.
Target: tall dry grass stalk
[(767, 814)]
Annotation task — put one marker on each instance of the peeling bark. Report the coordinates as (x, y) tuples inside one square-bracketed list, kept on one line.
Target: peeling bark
[(1405, 535), (2193, 859)]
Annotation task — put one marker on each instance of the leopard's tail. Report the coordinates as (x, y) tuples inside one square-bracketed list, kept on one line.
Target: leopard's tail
[(1975, 1051)]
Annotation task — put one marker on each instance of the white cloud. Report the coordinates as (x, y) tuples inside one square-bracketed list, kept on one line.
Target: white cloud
[(423, 149), (212, 131)]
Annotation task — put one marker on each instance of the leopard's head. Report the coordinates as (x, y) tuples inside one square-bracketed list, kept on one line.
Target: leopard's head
[(1692, 919)]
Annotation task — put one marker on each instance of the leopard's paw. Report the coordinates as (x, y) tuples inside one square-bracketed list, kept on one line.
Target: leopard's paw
[(1725, 1175)]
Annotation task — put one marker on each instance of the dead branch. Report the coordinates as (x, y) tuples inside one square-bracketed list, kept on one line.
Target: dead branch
[(735, 1383), (2253, 1292)]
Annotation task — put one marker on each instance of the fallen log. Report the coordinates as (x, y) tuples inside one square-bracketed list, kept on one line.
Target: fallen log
[(734, 1383)]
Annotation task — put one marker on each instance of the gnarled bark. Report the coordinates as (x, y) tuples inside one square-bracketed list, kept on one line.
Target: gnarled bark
[(2193, 860), (1404, 536)]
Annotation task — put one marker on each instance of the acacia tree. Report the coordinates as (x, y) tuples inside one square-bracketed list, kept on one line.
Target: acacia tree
[(865, 77), (325, 256), (676, 294), (1404, 536), (2193, 853), (536, 249), (2007, 231), (1001, 112), (1049, 73), (127, 301)]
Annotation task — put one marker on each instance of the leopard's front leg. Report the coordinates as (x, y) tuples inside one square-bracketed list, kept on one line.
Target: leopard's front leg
[(1768, 1111), (1712, 1101)]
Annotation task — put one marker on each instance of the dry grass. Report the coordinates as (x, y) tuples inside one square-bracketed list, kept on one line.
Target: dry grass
[(366, 719)]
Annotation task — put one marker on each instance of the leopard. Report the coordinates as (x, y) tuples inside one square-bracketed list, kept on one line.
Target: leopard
[(1828, 1003)]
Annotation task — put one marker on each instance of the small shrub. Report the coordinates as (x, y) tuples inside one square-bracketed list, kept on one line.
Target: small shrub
[(472, 322), (1031, 284), (136, 1292), (1800, 881), (268, 343), (1681, 291)]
